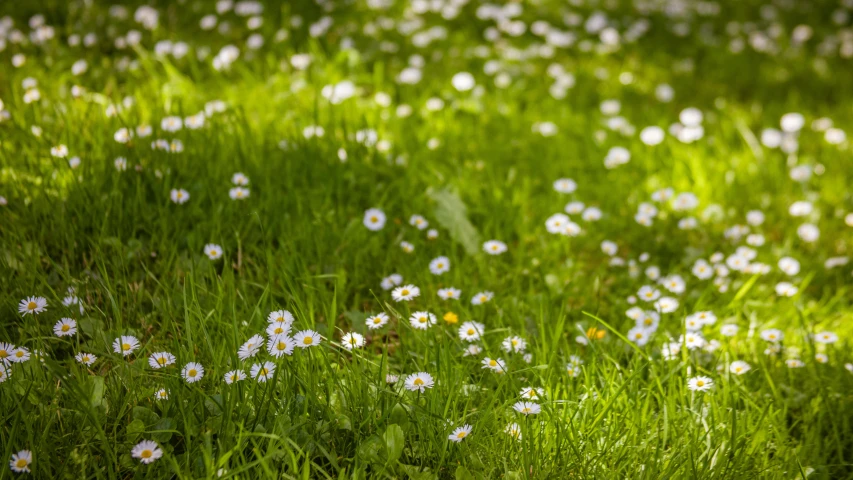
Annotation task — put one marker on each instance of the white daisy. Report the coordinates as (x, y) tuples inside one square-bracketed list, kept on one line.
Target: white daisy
[(406, 292), (146, 451), (307, 339), (419, 382), (262, 371), (375, 322), (65, 327), (161, 359), (422, 320), (460, 433), (192, 372), (125, 345), (32, 305)]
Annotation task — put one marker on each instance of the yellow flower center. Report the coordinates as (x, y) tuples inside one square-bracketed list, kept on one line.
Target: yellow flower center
[(162, 360), (514, 342), (264, 372), (21, 463), (493, 363), (163, 394), (418, 382), (146, 454), (440, 265), (282, 346), (404, 292), (192, 372), (4, 354), (373, 219), (125, 346), (308, 341), (86, 359), (422, 319), (461, 434), (738, 369), (377, 320), (31, 306), (700, 383), (19, 354), (65, 328), (470, 331), (525, 410)]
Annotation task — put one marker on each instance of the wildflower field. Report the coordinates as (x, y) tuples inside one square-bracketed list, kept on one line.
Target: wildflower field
[(426, 239)]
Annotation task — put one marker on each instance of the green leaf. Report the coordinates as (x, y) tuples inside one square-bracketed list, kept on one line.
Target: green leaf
[(395, 440), (369, 449), (147, 416), (135, 430), (399, 416), (462, 473), (164, 424), (415, 474), (451, 213), (96, 391)]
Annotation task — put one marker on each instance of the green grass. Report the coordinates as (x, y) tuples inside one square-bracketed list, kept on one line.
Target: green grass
[(136, 260)]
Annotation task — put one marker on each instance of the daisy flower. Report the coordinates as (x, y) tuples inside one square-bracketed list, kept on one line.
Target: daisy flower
[(527, 408), (407, 247), (5, 372), (21, 461), (825, 337), (374, 219), (565, 185), (161, 359), (234, 376), (307, 339), (213, 251), (794, 363), (251, 347), (472, 350), (418, 222), (85, 358), (239, 179), (513, 430), (281, 345), (432, 234), (391, 281), (422, 320), (161, 394), (494, 364), (439, 265), (281, 316), (471, 331), (648, 293), (125, 345), (262, 371), (419, 381), (146, 451), (65, 327), (32, 305), (514, 344), (739, 367), (729, 330), (19, 355), (639, 335), (375, 322), (666, 305), (59, 151), (460, 433), (482, 298), (449, 293), (179, 196), (238, 193), (406, 292), (494, 247), (192, 372), (532, 393), (278, 328), (352, 340), (700, 384), (772, 335)]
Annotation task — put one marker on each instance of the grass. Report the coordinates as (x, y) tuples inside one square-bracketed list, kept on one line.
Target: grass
[(136, 259)]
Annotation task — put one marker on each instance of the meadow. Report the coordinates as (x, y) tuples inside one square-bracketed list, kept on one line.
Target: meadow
[(426, 239)]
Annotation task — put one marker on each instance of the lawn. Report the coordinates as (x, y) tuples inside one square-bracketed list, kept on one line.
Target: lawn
[(426, 239)]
